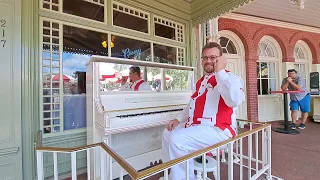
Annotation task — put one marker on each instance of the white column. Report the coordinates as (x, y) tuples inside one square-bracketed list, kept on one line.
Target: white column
[(213, 30)]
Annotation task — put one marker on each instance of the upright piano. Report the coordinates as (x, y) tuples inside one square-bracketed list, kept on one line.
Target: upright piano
[(130, 122)]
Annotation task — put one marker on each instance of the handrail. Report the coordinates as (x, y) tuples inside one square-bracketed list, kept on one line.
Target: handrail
[(168, 164), (133, 173), (147, 172)]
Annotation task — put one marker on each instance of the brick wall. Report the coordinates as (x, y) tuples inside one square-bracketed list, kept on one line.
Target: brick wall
[(251, 34)]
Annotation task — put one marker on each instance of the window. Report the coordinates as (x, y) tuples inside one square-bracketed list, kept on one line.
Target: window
[(73, 31), (90, 9), (168, 29), (130, 18), (301, 64), (266, 69), (267, 80), (227, 46), (128, 48), (302, 71), (64, 72)]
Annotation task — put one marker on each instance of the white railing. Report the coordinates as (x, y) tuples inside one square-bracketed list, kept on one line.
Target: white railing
[(249, 151)]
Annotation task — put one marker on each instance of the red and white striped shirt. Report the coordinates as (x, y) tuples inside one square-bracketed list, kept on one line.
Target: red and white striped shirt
[(215, 101), (139, 85)]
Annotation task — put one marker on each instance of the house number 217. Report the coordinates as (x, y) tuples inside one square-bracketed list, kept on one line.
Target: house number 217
[(2, 31)]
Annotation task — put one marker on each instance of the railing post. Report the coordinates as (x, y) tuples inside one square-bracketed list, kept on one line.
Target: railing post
[(103, 162), (230, 161), (249, 155), (40, 165), (88, 164), (55, 166), (74, 165), (269, 175)]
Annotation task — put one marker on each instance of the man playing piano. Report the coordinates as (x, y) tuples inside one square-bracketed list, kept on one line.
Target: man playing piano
[(210, 115), (136, 83)]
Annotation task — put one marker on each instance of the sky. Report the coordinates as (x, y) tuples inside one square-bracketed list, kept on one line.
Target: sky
[(77, 62)]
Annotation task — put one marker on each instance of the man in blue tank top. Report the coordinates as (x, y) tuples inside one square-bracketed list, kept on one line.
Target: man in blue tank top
[(295, 83)]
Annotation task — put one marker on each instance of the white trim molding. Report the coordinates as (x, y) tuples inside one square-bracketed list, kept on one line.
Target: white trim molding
[(258, 20)]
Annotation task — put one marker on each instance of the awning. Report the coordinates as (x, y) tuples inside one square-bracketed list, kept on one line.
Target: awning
[(204, 10)]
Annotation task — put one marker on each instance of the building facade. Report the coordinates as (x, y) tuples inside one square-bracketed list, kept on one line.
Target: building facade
[(271, 48)]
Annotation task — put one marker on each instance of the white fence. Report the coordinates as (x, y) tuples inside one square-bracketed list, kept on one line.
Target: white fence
[(249, 157)]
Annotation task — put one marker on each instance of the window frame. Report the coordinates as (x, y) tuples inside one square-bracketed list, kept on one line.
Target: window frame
[(103, 27), (307, 61), (272, 43)]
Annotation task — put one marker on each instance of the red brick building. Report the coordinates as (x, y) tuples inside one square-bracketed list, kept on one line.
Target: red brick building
[(270, 48)]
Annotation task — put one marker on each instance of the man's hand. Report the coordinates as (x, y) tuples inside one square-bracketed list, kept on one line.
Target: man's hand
[(124, 80), (172, 124), (289, 79), (220, 64)]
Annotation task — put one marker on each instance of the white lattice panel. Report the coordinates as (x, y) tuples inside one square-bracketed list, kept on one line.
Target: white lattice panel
[(130, 11), (181, 56), (179, 28), (51, 76), (51, 4), (98, 2)]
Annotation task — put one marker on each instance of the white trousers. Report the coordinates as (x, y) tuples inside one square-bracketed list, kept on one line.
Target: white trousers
[(182, 141)]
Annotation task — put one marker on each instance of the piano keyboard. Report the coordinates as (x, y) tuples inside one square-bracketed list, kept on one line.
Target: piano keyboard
[(148, 113)]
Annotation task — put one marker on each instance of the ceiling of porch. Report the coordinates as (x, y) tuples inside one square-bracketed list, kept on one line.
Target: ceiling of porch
[(283, 10)]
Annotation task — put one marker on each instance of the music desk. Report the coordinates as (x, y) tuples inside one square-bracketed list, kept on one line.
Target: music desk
[(286, 129)]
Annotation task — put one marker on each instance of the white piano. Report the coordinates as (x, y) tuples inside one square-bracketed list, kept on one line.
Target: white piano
[(131, 122)]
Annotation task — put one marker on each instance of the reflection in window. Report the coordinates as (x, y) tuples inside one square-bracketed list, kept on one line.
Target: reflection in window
[(126, 17), (168, 29), (79, 45), (164, 54), (267, 80), (117, 77), (227, 46), (130, 48), (85, 9), (165, 31)]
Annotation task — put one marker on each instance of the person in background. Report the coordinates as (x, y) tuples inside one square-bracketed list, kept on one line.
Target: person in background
[(136, 83), (302, 99)]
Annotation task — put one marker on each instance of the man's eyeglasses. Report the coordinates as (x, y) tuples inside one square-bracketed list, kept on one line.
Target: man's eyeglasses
[(211, 58)]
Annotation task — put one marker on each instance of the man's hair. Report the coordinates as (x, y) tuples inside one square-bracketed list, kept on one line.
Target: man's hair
[(135, 69), (210, 45), (292, 70)]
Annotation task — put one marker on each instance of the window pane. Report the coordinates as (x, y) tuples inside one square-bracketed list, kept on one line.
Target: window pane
[(130, 48), (164, 54), (79, 45), (301, 54), (223, 41), (82, 41), (265, 86), (272, 70), (303, 70), (165, 31), (259, 88), (231, 48), (258, 70), (264, 70), (84, 9), (177, 79), (269, 52), (273, 84), (130, 21)]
